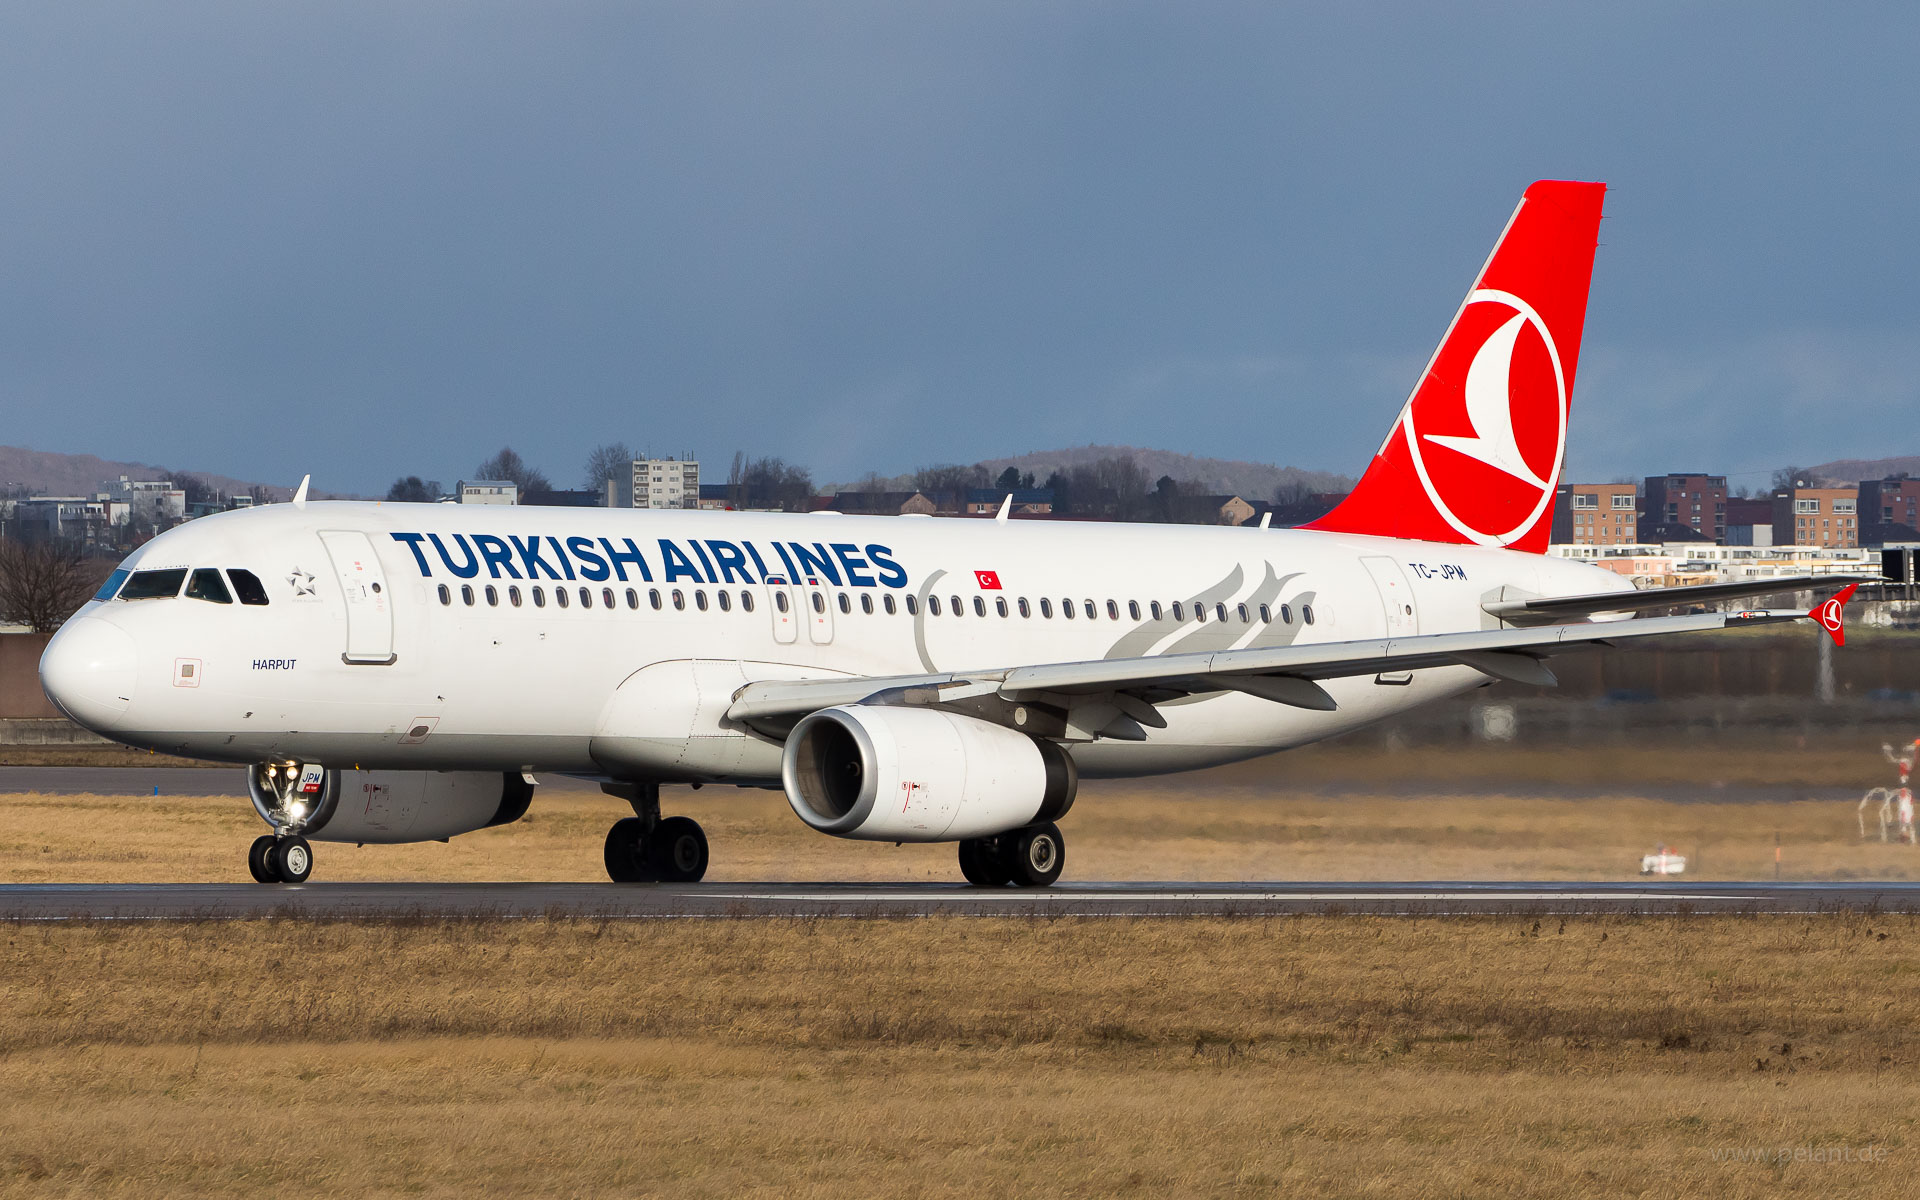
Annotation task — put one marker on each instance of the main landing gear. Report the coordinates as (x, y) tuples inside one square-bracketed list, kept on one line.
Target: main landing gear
[(1030, 857), (280, 859), (646, 848)]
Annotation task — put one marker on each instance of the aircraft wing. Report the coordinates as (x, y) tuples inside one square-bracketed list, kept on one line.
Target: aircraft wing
[(1127, 688), (1558, 608)]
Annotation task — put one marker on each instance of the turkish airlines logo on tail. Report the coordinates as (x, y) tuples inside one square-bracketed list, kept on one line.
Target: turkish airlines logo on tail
[(1488, 449)]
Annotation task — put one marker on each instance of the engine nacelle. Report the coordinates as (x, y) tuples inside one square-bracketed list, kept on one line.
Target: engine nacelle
[(900, 774), (328, 805)]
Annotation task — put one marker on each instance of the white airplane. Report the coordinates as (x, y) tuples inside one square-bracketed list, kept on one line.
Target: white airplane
[(400, 672)]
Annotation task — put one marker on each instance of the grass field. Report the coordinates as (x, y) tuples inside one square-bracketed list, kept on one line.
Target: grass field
[(1320, 1056), (1340, 813), (1301, 1056)]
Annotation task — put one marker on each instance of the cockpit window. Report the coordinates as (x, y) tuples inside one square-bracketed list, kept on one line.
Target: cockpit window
[(247, 586), (112, 584), (206, 584), (154, 585)]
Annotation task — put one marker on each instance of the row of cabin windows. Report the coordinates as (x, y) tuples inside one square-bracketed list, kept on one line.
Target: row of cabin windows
[(956, 605)]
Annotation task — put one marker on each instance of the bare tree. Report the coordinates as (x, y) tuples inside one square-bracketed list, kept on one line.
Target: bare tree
[(198, 490), (778, 484), (610, 463), (949, 477), (42, 583), (1788, 478), (509, 466), (737, 481), (413, 490)]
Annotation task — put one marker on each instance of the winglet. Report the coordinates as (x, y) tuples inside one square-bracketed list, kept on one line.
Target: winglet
[(300, 493), (1006, 506), (1831, 615)]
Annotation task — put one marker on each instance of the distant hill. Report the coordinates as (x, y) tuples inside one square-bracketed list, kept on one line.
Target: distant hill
[(82, 474), (1248, 480), (1853, 470)]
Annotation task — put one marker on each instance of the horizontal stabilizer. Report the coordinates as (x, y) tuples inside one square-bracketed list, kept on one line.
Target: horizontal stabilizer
[(1559, 608)]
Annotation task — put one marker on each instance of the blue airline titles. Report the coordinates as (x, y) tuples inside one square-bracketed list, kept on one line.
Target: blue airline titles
[(714, 560)]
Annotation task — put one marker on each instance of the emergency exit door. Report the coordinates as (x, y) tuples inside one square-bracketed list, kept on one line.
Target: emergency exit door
[(1396, 596), (369, 601)]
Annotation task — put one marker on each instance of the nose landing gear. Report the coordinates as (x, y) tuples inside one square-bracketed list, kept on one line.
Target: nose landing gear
[(280, 860), (646, 848), (290, 796)]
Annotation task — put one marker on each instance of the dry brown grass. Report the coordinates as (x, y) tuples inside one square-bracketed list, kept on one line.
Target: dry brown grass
[(1204, 828), (1311, 1056)]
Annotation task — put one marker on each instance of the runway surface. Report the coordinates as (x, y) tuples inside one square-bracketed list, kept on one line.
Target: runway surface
[(386, 901), (232, 781)]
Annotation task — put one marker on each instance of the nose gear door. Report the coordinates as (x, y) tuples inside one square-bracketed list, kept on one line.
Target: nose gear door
[(369, 601)]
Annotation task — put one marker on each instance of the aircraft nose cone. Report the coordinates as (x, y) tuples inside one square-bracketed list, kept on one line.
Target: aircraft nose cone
[(88, 670)]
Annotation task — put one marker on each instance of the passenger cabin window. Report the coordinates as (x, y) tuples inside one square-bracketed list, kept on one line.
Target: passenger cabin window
[(1025, 609), (1177, 614), (700, 599), (606, 597), (561, 598), (539, 597), (154, 585), (746, 600), (933, 606), (1046, 608), (633, 598), (679, 601), (913, 606), (1113, 610), (247, 586), (1306, 613), (653, 598), (1066, 609), (866, 603), (726, 600), (493, 596), (846, 605), (206, 584), (120, 574), (1266, 615), (779, 601), (1000, 603), (446, 595), (959, 609), (1286, 614), (886, 602), (586, 598), (1153, 606), (513, 596), (1133, 610), (466, 594)]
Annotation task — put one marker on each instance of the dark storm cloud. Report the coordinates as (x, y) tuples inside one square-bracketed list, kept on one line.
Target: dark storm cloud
[(372, 239)]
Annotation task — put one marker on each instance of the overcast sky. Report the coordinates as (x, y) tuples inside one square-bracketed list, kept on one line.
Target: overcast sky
[(366, 240)]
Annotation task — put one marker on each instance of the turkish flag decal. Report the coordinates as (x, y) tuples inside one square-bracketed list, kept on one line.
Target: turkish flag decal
[(989, 580)]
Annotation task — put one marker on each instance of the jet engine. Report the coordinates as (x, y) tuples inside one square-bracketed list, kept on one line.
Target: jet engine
[(901, 774), (332, 805)]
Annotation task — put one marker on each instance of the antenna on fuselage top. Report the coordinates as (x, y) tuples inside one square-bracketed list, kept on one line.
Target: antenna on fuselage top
[(1006, 506), (1266, 519), (300, 493)]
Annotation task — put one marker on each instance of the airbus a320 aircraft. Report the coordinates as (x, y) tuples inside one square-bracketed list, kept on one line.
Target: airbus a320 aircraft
[(401, 672)]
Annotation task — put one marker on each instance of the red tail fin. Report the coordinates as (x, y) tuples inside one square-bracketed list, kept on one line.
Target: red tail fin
[(1476, 454)]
